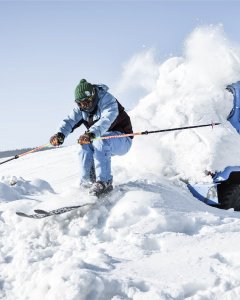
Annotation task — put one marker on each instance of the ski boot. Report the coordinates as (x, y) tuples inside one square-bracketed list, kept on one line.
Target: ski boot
[(99, 188)]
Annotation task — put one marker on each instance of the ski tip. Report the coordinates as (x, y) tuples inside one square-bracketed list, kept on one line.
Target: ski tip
[(21, 214), (40, 211), (32, 216)]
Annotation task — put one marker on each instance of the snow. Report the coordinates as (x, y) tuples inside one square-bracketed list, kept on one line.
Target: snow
[(190, 90), (150, 239)]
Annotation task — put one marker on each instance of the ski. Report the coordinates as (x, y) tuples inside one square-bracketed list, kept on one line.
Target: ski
[(60, 210), (40, 213), (32, 216)]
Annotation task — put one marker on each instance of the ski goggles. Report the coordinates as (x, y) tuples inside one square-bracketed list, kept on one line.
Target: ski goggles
[(85, 102)]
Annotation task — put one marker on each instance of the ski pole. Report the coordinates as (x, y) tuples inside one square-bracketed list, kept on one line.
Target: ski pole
[(25, 153), (154, 131)]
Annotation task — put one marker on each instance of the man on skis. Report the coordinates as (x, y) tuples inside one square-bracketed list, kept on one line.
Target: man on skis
[(102, 115)]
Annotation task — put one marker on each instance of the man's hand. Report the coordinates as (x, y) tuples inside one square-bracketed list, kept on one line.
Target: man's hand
[(57, 139), (86, 138)]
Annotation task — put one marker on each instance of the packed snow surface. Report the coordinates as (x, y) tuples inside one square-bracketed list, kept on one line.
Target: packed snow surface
[(149, 239)]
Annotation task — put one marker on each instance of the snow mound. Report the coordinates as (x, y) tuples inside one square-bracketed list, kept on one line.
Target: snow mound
[(14, 188), (40, 186), (7, 193)]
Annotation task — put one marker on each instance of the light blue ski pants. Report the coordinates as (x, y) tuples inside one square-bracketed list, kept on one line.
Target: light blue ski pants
[(99, 154)]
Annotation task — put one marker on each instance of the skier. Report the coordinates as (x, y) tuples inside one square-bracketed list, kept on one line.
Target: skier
[(102, 115)]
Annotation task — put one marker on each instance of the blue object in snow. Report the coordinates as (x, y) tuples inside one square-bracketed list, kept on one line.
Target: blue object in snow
[(207, 193)]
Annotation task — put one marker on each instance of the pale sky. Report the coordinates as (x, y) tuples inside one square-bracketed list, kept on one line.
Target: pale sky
[(48, 46)]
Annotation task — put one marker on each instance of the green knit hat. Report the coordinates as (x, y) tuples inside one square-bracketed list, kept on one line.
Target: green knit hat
[(84, 89)]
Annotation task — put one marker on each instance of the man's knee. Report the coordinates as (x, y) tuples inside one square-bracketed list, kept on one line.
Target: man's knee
[(101, 145)]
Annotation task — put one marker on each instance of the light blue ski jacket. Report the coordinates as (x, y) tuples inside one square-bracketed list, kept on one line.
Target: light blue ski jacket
[(107, 112)]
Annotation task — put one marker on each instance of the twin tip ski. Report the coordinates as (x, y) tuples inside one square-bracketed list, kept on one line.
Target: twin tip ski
[(39, 213)]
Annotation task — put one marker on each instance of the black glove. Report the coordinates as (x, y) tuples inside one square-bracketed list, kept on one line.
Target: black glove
[(57, 139), (86, 138)]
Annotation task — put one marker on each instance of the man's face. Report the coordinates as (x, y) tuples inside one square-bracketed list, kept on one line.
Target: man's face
[(86, 104)]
